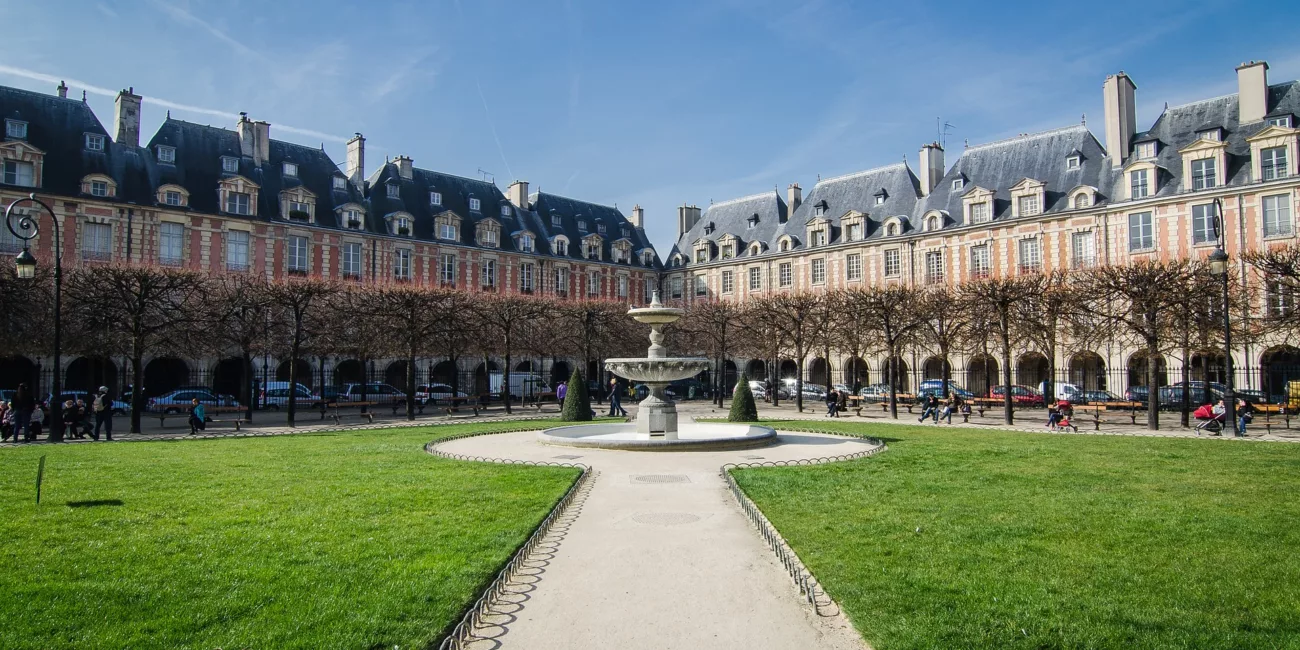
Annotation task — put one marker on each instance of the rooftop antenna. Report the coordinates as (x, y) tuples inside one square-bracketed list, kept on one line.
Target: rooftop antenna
[(485, 174), (1084, 119), (942, 129)]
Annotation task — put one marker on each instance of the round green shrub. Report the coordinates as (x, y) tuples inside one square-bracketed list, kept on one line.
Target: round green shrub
[(743, 408)]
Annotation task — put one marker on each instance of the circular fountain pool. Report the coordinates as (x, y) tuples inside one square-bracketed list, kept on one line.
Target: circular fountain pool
[(688, 437)]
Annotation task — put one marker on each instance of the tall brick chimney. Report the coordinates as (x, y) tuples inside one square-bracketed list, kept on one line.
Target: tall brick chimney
[(356, 168), (126, 112)]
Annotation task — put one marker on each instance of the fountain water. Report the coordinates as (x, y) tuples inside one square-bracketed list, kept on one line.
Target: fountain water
[(656, 424)]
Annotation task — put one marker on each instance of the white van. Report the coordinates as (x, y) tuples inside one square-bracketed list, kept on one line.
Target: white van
[(523, 385), (1064, 391)]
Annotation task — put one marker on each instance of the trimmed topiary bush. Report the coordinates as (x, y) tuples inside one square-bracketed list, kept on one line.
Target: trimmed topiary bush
[(577, 404), (743, 408)]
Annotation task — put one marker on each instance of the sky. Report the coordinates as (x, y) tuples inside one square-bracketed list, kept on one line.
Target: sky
[(658, 103)]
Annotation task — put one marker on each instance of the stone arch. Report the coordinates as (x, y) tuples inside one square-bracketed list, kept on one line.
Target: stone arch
[(89, 373), (349, 371), (1088, 371), (756, 369), (819, 372), (1278, 366), (524, 366), (1208, 365), (856, 372), (19, 370), (982, 374), (560, 371), (165, 374), (481, 376), (729, 377), (228, 378), (789, 369), (395, 374), (935, 367), (901, 374), (1032, 369), (1137, 370), (305, 375)]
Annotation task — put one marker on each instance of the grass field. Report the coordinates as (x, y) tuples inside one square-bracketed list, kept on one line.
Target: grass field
[(347, 540), (956, 538)]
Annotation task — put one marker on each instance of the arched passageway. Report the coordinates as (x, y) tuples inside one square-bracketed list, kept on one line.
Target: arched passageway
[(1088, 371), (1279, 366), (164, 375), (1031, 370), (89, 373), (982, 375)]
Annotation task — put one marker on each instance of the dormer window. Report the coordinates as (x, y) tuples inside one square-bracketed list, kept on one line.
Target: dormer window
[(755, 249), (299, 210), (291, 170), (708, 228), (957, 184), (557, 221), (98, 185), (932, 223), (627, 232), (819, 210), (979, 212), (728, 251), (229, 165), (880, 199), (474, 205), (173, 198), (600, 228), (1146, 150), (505, 210), (352, 219), (394, 191), (402, 226), (753, 220), (16, 129), (1213, 134), (526, 243), (94, 142), (340, 183), (785, 245), (560, 246), (582, 224), (1072, 162), (817, 237), (166, 154), (851, 231), (1028, 205), (647, 258), (435, 199), (891, 230), (1283, 121), (98, 188), (447, 226), (487, 234), (1204, 174), (1081, 201)]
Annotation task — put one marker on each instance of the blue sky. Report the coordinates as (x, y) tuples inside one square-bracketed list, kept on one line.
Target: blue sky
[(658, 103)]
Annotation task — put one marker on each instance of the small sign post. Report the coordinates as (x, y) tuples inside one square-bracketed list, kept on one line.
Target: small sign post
[(40, 474)]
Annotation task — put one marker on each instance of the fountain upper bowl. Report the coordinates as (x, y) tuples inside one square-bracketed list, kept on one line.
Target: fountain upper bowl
[(658, 370), (655, 315)]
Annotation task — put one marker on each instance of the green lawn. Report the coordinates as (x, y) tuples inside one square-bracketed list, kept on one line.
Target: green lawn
[(956, 538), (347, 540)]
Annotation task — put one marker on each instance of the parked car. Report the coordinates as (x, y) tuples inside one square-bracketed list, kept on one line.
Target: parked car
[(378, 393), (1020, 395), (275, 396), (179, 401), (810, 390), (936, 384), (1171, 396), (1064, 391), (938, 392), (1255, 396), (1137, 394), (119, 407), (688, 389), (1101, 396), (875, 391), (426, 393), (760, 390)]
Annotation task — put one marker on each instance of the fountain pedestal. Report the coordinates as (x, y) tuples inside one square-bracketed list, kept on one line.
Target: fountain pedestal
[(657, 413)]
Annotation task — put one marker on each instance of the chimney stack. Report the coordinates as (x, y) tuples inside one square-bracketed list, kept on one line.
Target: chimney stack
[(638, 216), (687, 217), (404, 167), (518, 194), (126, 113), (932, 168), (356, 168), (62, 90), (254, 139), (1119, 99), (794, 197), (1252, 91)]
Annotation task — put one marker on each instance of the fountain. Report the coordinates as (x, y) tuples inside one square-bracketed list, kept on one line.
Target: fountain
[(656, 425)]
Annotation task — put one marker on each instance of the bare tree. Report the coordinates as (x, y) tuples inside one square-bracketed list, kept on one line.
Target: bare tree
[(1044, 320), (761, 336), (945, 323), (1279, 268), (999, 299), (298, 304), (793, 314), (413, 319), (504, 320), (241, 305), (712, 327), (894, 315)]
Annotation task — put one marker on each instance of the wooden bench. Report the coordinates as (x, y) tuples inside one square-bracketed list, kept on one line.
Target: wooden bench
[(335, 406), (1128, 410), (1269, 414), (452, 404), (207, 412)]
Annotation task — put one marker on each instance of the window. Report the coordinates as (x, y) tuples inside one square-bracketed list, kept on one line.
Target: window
[(892, 265), (593, 283), (648, 292), (489, 274), (701, 285), (98, 188), (600, 228), (562, 281), (505, 210), (1141, 235), (560, 246), (352, 219), (171, 237), (291, 169), (1272, 163), (932, 223), (784, 245), (622, 286), (557, 220), (299, 210), (446, 230), (728, 281), (402, 264), (15, 129), (94, 142), (1203, 224), (1213, 135), (9, 243), (229, 165), (755, 278), (851, 232), (753, 221), (435, 198), (526, 243), (1028, 205), (880, 199), (340, 183), (96, 241), (1283, 121), (819, 209), (957, 184), (350, 264), (728, 251), (853, 266), (591, 249), (1277, 215), (447, 270), (474, 205), (1138, 188), (817, 238), (166, 154), (785, 274), (526, 277), (933, 266), (1203, 174), (979, 261), (1072, 162), (237, 250), (1031, 256), (1146, 150), (297, 246), (19, 173), (402, 226), (394, 191), (1083, 252), (818, 271), (979, 212), (238, 203), (172, 197), (675, 288), (1081, 201), (1279, 299)]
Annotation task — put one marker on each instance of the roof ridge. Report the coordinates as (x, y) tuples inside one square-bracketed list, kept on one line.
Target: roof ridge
[(42, 95), (434, 171), (742, 199), (1027, 136), (539, 193), (864, 172), (1203, 101)]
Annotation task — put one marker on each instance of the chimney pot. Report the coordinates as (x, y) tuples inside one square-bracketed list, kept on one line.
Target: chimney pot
[(931, 167), (517, 193), (793, 197), (62, 89), (638, 216), (404, 167)]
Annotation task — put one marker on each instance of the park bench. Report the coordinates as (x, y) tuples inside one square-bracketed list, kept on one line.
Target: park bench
[(208, 412), (453, 404), (333, 409), (1121, 410), (1271, 415), (401, 404)]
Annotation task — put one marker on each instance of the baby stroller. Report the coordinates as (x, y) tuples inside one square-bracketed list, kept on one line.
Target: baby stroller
[(1066, 412), (1208, 420)]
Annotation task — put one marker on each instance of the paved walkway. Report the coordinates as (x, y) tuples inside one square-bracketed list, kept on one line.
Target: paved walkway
[(661, 557)]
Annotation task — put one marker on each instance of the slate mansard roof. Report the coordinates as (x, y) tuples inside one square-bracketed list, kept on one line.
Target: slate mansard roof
[(766, 211), (896, 184), (571, 211)]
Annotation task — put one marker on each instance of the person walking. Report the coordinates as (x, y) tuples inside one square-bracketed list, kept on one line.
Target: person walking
[(102, 406), (198, 417), (616, 399), (24, 404), (560, 392)]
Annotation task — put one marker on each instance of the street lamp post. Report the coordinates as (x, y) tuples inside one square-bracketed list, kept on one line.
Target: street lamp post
[(1219, 268), (26, 227)]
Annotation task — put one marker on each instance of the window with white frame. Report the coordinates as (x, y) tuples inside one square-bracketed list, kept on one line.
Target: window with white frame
[(600, 228), (1031, 255), (1081, 200), (701, 285), (1138, 185), (1141, 232), (402, 264), (979, 261), (675, 288), (350, 261), (488, 274), (290, 169), (402, 226), (1083, 251), (229, 165), (96, 241), (352, 219), (172, 197), (435, 199), (98, 188), (622, 286), (728, 281), (299, 210), (851, 231), (340, 183), (526, 277), (853, 266), (785, 274), (20, 173), (728, 251), (526, 243), (562, 281), (582, 225), (1072, 162), (818, 271), (560, 246), (297, 254), (447, 270), (648, 291), (1146, 150), (1279, 298), (957, 184), (1029, 205), (932, 223), (474, 205), (171, 238), (94, 142), (755, 278), (880, 199), (557, 221), (16, 129), (10, 243), (447, 230), (1272, 163), (393, 190), (933, 267), (893, 265), (237, 250), (1203, 224), (1277, 215), (817, 237), (979, 212), (1283, 121), (1204, 174), (819, 210), (505, 210), (166, 154), (239, 203), (593, 283)]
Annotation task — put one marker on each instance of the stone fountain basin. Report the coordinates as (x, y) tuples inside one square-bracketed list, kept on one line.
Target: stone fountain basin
[(656, 316), (658, 370), (696, 436)]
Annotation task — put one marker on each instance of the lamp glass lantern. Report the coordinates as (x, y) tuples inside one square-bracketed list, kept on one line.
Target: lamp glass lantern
[(1218, 263), (26, 265)]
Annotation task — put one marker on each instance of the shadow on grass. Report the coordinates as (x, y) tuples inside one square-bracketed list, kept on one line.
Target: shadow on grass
[(95, 504)]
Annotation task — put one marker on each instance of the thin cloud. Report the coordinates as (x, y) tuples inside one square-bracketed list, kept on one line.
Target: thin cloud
[(106, 10), (496, 137), (187, 18)]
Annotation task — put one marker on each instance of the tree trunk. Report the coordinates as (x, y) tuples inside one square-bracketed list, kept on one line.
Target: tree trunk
[(1008, 416), (1187, 393), (248, 385), (893, 383), (137, 392), (293, 380), (505, 379), (798, 380), (1153, 391), (410, 384)]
